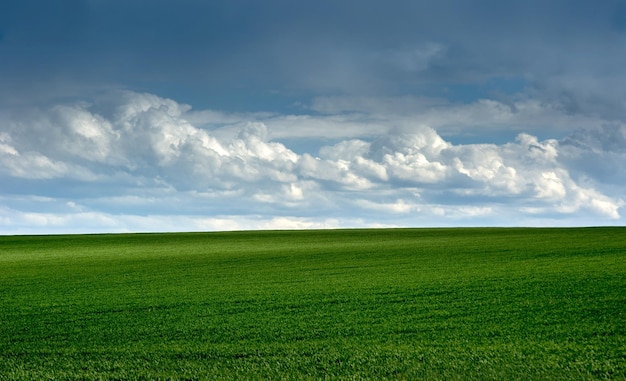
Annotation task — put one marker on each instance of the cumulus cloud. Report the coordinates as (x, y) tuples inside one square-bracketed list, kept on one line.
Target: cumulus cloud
[(141, 152)]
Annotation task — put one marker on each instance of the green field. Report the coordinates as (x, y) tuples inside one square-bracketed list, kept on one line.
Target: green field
[(473, 303)]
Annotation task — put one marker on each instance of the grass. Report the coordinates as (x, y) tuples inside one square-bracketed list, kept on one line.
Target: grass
[(341, 304)]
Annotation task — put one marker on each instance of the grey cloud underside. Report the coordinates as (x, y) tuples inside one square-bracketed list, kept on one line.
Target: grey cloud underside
[(140, 154)]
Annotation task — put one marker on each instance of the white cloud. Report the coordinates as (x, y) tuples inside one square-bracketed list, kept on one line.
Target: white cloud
[(5, 147), (549, 185), (32, 165), (484, 163), (398, 206), (88, 135), (298, 223), (143, 152)]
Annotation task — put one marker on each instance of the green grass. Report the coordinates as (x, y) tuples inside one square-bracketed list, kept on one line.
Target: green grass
[(447, 304)]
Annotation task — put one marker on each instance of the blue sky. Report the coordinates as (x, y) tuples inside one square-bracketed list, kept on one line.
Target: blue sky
[(187, 115)]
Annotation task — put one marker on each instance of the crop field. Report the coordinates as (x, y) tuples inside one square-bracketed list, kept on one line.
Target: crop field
[(467, 304)]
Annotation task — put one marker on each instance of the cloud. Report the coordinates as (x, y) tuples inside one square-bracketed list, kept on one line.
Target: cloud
[(19, 222), (394, 113), (595, 155), (496, 119), (142, 153)]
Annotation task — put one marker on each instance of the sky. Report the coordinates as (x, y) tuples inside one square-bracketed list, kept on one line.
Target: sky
[(155, 115)]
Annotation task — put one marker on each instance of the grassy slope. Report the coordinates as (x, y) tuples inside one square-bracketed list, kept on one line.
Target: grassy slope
[(406, 303)]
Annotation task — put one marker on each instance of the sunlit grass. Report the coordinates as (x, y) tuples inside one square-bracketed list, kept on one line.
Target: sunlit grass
[(344, 304)]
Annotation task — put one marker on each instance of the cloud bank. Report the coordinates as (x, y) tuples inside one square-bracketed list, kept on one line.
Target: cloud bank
[(129, 161)]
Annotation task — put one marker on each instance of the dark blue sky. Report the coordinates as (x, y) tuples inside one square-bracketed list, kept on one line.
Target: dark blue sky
[(252, 55)]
